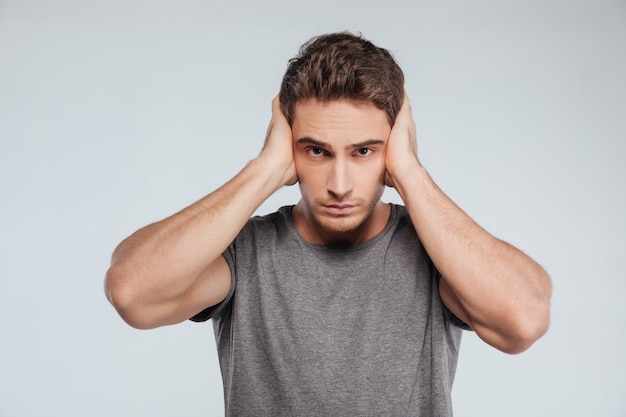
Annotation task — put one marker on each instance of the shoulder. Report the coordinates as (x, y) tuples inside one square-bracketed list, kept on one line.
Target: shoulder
[(403, 232), (400, 218), (279, 218), (400, 212), (276, 223)]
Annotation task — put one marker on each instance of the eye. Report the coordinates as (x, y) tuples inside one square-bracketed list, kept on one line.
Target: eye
[(315, 151), (364, 151)]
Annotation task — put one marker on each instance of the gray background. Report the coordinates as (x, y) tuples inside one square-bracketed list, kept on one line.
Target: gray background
[(114, 114)]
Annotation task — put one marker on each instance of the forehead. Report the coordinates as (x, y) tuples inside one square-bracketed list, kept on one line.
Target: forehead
[(344, 120)]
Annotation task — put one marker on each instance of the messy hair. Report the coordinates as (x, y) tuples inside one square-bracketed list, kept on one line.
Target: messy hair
[(343, 66)]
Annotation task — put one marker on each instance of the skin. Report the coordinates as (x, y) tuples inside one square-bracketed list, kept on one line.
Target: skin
[(339, 153), (342, 153), (498, 290)]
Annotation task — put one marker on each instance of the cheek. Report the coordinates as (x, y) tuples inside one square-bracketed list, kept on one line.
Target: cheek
[(309, 175), (303, 170), (372, 179), (373, 173)]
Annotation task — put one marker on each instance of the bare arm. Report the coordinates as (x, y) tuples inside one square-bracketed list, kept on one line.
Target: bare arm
[(499, 291), (170, 270)]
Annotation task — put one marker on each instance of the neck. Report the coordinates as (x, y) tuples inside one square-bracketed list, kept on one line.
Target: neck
[(314, 231)]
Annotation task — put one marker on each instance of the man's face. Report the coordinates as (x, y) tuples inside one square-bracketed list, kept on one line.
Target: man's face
[(339, 153)]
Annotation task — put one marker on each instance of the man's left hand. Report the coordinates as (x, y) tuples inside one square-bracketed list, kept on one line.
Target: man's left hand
[(401, 146)]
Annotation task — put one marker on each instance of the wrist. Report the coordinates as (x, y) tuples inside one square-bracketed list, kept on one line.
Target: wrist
[(400, 172), (273, 171), (408, 177)]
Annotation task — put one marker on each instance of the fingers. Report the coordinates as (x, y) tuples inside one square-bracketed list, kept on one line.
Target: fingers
[(278, 117), (406, 112), (276, 106), (278, 121), (278, 146), (401, 149), (404, 123)]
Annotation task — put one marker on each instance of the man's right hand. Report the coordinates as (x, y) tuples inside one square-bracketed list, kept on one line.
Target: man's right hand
[(170, 270), (278, 147)]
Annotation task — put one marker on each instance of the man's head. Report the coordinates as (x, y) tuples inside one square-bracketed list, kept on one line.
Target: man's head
[(341, 96), (343, 66)]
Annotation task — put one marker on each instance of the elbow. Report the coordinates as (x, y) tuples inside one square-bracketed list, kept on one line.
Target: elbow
[(531, 320), (526, 331), (123, 296)]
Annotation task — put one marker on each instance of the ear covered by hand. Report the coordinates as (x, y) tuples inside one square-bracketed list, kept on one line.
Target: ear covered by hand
[(401, 145), (278, 146)]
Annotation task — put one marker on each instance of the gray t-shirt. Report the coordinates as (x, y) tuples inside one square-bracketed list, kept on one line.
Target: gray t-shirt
[(311, 330)]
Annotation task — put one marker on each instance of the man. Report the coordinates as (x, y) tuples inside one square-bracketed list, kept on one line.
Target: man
[(341, 304)]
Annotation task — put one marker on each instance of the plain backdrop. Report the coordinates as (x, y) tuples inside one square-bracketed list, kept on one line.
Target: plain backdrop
[(115, 114)]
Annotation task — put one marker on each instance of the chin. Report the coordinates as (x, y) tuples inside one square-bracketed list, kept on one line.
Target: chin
[(340, 224)]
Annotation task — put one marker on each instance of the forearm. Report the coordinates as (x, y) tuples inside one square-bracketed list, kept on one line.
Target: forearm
[(503, 293), (158, 264)]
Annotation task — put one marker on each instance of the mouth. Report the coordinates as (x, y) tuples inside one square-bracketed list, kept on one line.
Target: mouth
[(339, 209)]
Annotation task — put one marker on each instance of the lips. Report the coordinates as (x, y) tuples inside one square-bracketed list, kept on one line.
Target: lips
[(339, 209)]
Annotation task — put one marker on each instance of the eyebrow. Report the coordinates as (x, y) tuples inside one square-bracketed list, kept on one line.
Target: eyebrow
[(325, 145)]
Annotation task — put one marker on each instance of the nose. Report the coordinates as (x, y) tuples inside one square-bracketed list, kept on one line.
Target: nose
[(339, 181)]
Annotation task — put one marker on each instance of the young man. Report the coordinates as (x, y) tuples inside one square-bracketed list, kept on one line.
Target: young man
[(341, 304)]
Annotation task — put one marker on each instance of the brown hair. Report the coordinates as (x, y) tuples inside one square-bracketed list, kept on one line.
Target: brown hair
[(343, 66)]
